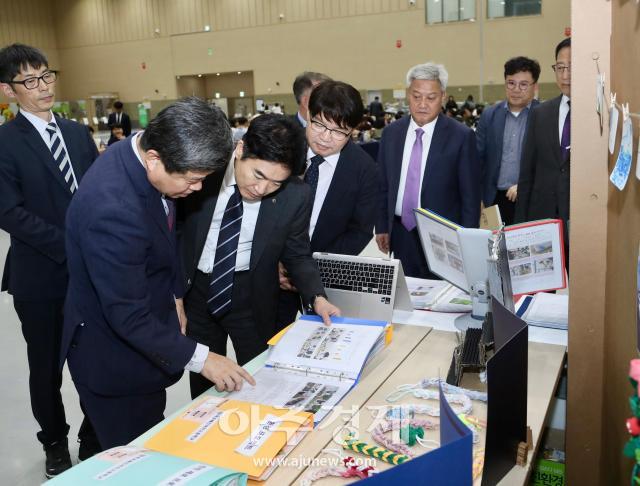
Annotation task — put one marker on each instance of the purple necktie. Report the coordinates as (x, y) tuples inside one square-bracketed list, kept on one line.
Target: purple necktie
[(412, 184), (565, 142)]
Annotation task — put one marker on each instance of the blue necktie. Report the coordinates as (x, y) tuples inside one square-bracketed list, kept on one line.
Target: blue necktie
[(313, 174), (61, 157), (224, 265)]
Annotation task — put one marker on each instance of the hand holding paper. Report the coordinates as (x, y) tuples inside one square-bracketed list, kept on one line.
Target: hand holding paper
[(324, 309), (225, 374)]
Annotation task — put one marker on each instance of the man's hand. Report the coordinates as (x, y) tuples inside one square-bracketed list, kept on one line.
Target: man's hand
[(324, 309), (182, 316), (285, 282), (512, 193), (383, 242), (225, 374)]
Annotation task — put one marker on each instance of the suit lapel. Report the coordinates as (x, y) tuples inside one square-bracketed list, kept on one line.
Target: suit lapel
[(208, 207), (156, 209), (501, 117), (436, 148), (554, 114), (339, 186), (270, 207), (33, 139)]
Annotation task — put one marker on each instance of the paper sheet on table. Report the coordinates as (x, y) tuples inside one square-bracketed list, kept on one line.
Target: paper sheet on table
[(437, 296), (316, 394)]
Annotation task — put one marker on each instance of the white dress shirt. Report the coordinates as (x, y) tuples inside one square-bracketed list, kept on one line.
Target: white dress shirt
[(564, 111), (325, 175), (250, 210), (301, 120), (406, 156), (41, 127), (196, 363)]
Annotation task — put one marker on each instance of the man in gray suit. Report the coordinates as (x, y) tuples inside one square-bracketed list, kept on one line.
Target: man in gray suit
[(500, 135), (543, 186)]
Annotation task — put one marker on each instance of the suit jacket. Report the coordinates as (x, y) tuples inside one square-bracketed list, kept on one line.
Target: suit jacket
[(281, 234), (346, 220), (543, 186), (34, 198), (125, 121), (489, 140), (451, 182), (124, 271)]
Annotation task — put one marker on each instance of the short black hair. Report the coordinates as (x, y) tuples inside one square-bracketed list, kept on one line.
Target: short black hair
[(522, 64), (278, 139), (118, 105), (338, 102), (190, 135), (16, 57), (565, 43), (116, 125), (306, 81)]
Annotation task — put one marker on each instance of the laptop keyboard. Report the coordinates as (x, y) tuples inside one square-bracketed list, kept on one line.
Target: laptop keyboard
[(367, 278)]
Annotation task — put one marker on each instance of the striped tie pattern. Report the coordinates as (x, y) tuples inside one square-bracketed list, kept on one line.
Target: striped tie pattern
[(224, 265), (61, 157)]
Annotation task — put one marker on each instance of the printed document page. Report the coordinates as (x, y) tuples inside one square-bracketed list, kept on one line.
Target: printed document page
[(339, 349), (317, 394), (535, 258), (548, 309)]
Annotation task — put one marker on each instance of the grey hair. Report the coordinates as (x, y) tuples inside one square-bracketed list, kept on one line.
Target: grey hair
[(429, 71)]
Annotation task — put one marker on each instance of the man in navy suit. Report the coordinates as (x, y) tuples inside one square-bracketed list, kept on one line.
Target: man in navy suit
[(237, 229), (426, 160), (124, 313), (42, 161), (500, 136), (343, 179), (119, 117)]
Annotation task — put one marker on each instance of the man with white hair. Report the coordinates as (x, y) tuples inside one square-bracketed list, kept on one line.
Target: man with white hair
[(426, 160)]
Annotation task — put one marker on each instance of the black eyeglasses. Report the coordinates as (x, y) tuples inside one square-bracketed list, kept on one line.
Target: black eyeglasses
[(32, 83), (337, 135), (561, 68), (522, 85)]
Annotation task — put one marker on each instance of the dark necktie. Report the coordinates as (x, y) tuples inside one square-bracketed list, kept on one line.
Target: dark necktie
[(171, 213), (224, 265), (313, 174), (565, 141), (61, 158)]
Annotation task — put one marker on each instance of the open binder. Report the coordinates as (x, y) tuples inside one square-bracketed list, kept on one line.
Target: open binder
[(312, 366)]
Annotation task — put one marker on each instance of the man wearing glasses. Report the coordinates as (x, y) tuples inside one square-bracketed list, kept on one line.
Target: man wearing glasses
[(426, 160), (543, 185), (500, 135), (343, 179), (42, 161)]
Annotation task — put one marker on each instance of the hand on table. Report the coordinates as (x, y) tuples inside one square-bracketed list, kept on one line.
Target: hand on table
[(325, 309)]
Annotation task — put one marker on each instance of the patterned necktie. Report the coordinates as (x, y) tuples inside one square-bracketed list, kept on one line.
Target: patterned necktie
[(412, 183), (224, 265), (313, 174), (61, 157), (565, 141)]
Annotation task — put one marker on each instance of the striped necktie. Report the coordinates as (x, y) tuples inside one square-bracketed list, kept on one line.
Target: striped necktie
[(224, 265), (61, 157)]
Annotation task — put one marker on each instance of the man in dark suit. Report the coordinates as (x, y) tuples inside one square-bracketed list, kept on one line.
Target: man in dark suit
[(236, 231), (302, 87), (543, 186), (343, 179), (426, 160), (119, 117), (500, 135), (375, 108), (123, 314), (42, 161)]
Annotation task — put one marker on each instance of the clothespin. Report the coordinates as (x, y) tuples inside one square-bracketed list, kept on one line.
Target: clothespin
[(625, 111), (612, 104)]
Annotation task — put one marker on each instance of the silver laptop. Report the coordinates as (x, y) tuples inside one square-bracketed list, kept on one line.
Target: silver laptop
[(364, 287)]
